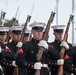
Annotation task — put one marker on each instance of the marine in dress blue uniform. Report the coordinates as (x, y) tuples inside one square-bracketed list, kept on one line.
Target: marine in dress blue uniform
[(27, 55), (56, 44), (70, 63), (27, 35), (9, 51), (3, 34)]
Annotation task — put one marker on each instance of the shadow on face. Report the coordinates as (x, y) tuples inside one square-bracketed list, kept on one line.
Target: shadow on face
[(58, 35)]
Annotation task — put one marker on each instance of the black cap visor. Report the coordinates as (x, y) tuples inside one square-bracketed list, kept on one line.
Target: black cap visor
[(38, 28), (59, 30), (17, 32), (26, 34), (3, 33)]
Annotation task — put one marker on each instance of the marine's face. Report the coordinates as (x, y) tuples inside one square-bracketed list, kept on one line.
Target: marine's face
[(26, 39), (16, 37), (37, 34), (58, 36), (3, 37)]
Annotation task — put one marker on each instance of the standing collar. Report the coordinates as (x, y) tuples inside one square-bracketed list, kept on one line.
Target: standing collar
[(37, 41), (14, 42), (57, 41)]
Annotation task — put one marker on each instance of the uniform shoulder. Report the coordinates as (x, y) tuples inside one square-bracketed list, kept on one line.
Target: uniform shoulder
[(70, 44), (73, 49), (51, 42), (28, 42)]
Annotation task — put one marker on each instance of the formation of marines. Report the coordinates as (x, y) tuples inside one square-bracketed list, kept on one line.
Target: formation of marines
[(19, 57)]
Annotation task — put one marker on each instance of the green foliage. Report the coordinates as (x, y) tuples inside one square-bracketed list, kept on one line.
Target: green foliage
[(8, 23)]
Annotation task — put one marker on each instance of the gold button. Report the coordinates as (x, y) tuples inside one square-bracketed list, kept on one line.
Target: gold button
[(32, 66), (2, 49), (52, 46), (55, 63), (49, 62), (9, 50), (10, 64), (7, 63), (31, 51), (28, 64), (25, 63), (4, 58), (72, 68)]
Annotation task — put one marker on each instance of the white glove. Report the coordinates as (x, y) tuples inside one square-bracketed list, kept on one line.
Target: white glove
[(0, 67), (0, 49), (43, 44), (64, 44), (38, 65), (60, 62), (14, 64), (19, 44)]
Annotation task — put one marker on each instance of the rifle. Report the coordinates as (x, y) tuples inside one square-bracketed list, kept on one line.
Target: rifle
[(2, 17), (22, 37), (45, 34), (30, 37), (14, 22), (8, 36), (60, 69), (0, 22), (25, 27)]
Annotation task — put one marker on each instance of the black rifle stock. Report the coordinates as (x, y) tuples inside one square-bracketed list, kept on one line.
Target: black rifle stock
[(60, 69)]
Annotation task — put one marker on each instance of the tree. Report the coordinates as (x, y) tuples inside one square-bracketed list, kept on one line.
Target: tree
[(9, 23)]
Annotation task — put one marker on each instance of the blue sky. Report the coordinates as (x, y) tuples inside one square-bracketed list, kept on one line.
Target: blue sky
[(41, 12)]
